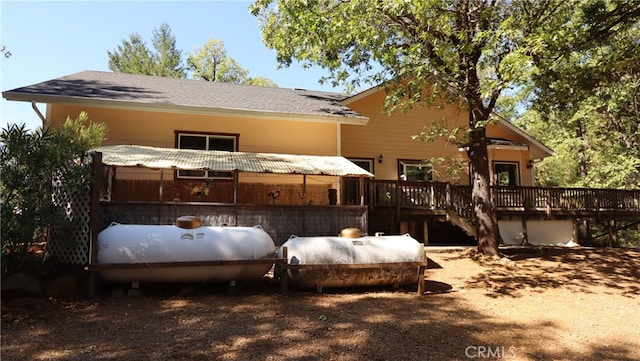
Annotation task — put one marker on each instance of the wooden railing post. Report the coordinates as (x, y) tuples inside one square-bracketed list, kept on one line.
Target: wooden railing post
[(94, 217), (284, 272)]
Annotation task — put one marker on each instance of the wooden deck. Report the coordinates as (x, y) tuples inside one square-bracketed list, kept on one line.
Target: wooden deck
[(400, 206), (438, 198)]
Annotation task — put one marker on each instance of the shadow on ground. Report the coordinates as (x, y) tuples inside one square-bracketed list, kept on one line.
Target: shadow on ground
[(577, 269), (253, 322)]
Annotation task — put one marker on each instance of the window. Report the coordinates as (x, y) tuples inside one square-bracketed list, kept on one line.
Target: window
[(206, 142), (506, 174), (366, 164), (415, 170)]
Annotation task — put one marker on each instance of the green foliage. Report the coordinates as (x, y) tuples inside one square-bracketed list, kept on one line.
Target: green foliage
[(433, 52), (586, 102), (31, 161), (131, 57), (134, 57), (427, 52), (211, 63)]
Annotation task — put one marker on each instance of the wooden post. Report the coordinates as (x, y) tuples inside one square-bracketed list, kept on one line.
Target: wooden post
[(361, 190), (575, 232), (160, 190), (421, 282), (94, 217), (425, 232), (397, 200), (448, 197), (587, 231), (304, 189), (612, 233), (432, 199), (421, 269), (235, 186), (525, 233), (284, 273)]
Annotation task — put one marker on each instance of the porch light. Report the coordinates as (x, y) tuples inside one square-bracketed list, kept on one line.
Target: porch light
[(530, 164), (380, 158)]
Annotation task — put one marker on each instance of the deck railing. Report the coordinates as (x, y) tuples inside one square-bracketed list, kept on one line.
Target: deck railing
[(440, 196)]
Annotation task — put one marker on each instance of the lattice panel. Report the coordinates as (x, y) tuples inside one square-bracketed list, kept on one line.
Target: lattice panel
[(77, 209)]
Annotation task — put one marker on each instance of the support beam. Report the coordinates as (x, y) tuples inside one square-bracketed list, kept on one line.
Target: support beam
[(612, 233), (525, 233)]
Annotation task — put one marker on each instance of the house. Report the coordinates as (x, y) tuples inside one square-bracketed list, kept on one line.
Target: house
[(189, 114), (167, 113)]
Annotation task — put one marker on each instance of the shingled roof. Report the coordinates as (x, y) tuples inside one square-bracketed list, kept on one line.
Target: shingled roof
[(181, 95)]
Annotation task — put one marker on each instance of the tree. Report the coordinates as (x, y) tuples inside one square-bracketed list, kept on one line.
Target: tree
[(590, 95), (30, 161), (134, 57), (212, 63), (465, 52), (167, 58)]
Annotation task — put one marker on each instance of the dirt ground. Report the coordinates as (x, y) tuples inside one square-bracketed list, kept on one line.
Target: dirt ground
[(537, 304)]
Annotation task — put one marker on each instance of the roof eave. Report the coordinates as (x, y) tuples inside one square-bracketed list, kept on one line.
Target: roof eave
[(534, 142), (183, 109)]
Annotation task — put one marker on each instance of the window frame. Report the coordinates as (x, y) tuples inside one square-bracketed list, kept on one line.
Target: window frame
[(404, 163), (180, 174), (371, 161), (517, 179)]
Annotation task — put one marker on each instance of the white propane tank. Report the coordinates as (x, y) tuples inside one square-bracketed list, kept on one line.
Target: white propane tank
[(377, 251), (156, 244)]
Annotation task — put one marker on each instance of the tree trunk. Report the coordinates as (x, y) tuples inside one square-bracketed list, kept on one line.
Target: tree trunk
[(485, 211)]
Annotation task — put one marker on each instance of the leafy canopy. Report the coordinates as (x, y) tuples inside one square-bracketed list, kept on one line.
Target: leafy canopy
[(432, 52)]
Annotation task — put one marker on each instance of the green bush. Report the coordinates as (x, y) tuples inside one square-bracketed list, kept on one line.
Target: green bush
[(30, 162)]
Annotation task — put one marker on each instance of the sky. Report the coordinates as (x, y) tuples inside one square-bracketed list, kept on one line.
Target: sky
[(51, 39)]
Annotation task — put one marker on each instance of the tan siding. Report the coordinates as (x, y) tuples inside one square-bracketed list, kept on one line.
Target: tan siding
[(256, 135), (391, 136)]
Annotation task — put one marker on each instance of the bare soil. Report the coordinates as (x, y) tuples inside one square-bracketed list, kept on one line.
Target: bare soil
[(534, 304)]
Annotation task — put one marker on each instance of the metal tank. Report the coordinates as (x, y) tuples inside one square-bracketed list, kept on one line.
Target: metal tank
[(346, 262), (174, 254)]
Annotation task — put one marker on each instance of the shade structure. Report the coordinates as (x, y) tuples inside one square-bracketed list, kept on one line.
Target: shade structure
[(216, 160)]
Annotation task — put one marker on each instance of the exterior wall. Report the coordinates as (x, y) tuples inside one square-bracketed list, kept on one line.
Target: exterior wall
[(157, 129), (391, 137), (513, 156)]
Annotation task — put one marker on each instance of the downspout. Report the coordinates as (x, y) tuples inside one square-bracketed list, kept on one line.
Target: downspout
[(45, 123)]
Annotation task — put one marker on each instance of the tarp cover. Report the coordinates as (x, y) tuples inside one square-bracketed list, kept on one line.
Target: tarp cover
[(217, 160)]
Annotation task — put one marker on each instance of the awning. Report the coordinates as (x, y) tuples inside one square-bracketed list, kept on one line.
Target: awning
[(186, 159)]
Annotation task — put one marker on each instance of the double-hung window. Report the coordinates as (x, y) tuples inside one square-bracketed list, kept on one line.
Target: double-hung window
[(226, 142)]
